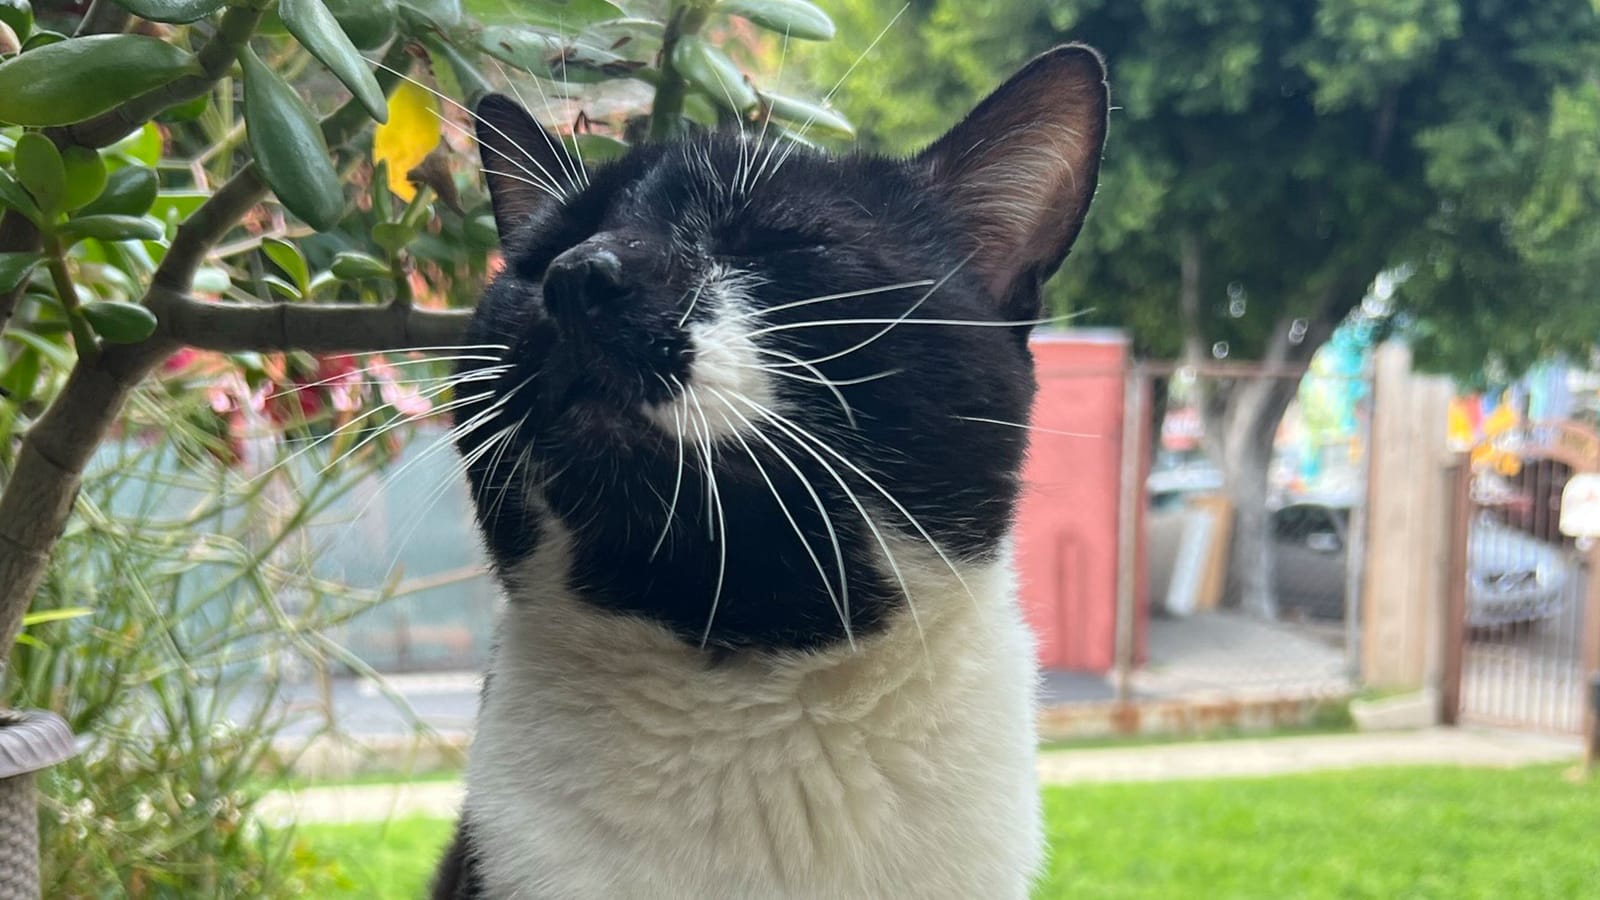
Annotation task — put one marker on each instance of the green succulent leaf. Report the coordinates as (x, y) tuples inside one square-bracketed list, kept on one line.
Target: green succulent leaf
[(287, 290), (172, 12), (130, 191), (120, 323), (288, 146), (186, 111), (38, 165), (351, 266), (286, 256), (79, 78), (12, 196), (809, 116), (599, 147), (368, 23), (18, 16), (86, 176), (111, 228), (42, 38), (392, 236), (713, 73), (439, 13), (563, 15), (795, 18), (16, 267), (320, 33), (21, 377)]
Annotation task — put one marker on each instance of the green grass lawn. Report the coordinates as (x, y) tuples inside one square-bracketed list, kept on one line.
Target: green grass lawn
[(1380, 833)]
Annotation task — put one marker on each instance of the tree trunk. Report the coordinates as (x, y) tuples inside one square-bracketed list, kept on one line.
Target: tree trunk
[(1249, 423)]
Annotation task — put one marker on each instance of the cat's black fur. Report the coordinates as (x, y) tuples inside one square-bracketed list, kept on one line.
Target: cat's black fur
[(590, 302)]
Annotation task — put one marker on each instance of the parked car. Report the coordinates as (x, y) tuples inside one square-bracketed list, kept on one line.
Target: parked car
[(1511, 576)]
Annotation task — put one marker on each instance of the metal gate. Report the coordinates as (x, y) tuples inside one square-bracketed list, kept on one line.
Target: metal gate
[(1524, 594)]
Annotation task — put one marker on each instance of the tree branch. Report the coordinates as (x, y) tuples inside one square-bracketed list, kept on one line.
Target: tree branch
[(314, 327)]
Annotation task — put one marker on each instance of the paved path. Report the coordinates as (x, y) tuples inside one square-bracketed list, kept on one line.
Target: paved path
[(1162, 762), (1312, 753)]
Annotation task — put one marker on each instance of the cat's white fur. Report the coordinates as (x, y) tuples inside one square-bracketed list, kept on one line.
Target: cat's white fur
[(726, 363), (615, 762)]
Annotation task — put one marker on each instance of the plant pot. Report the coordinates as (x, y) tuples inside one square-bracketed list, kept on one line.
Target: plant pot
[(30, 742)]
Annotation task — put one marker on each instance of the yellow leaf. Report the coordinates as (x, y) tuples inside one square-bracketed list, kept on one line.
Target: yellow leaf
[(411, 133)]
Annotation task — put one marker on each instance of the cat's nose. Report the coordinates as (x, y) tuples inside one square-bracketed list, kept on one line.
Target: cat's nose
[(584, 282)]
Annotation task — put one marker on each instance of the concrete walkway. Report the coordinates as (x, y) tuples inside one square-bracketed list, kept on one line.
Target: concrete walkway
[(1162, 762), (1312, 753)]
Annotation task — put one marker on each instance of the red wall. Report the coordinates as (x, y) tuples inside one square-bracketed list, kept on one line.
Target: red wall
[(1067, 529)]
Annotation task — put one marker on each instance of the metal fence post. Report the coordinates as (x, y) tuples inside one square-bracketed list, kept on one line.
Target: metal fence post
[(1591, 661)]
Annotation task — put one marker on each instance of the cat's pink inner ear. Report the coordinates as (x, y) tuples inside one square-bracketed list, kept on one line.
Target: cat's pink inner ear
[(1022, 166), (526, 166)]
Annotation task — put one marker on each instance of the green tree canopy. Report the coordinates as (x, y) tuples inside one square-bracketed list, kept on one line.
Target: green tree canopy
[(1293, 151), (1267, 160)]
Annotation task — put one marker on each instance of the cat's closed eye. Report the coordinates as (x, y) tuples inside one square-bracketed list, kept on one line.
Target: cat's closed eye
[(768, 240)]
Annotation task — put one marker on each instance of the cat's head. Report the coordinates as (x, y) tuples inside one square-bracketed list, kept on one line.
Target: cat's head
[(747, 383)]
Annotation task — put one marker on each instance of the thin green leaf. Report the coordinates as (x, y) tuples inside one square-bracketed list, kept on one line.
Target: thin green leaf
[(54, 352), (55, 615)]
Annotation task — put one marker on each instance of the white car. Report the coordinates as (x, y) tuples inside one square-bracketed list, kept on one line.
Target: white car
[(1511, 576)]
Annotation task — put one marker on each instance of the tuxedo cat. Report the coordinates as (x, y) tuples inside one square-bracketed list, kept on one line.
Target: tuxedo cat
[(747, 474)]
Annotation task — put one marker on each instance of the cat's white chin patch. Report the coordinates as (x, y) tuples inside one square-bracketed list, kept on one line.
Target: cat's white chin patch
[(727, 388)]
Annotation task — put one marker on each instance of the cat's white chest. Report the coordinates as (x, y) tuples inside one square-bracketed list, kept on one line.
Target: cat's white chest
[(612, 762)]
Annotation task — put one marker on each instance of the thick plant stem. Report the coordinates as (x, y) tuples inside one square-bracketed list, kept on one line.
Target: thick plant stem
[(666, 113), (82, 335)]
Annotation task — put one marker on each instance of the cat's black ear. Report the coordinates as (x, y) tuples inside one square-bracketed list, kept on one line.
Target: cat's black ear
[(525, 165), (1022, 166)]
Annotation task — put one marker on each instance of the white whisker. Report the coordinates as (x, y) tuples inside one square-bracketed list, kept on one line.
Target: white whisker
[(838, 84), (475, 117), (677, 483), (891, 323), (841, 598), (715, 497), (763, 313), (796, 431), (1025, 427)]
